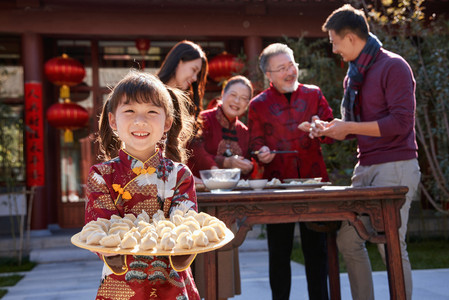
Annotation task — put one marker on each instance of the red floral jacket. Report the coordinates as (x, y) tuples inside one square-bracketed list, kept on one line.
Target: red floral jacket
[(127, 185)]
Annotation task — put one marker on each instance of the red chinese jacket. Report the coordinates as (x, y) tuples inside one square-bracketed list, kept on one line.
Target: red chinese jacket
[(273, 121), (127, 185), (219, 136)]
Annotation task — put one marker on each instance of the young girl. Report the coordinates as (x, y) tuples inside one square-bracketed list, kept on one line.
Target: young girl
[(144, 176)]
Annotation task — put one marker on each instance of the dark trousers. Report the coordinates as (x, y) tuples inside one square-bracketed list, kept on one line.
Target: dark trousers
[(314, 247)]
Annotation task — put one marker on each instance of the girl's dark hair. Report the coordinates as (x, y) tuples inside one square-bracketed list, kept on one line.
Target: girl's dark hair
[(146, 88), (239, 79), (186, 51), (347, 18)]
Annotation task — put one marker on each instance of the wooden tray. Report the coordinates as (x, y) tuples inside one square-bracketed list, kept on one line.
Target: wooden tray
[(155, 251)]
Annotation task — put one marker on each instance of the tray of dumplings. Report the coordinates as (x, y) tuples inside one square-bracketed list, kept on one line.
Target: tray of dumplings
[(182, 234)]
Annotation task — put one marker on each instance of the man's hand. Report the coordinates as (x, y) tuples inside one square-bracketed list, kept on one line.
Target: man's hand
[(336, 129), (313, 127), (265, 156)]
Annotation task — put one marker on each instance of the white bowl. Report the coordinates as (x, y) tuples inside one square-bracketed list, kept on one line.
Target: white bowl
[(218, 180), (257, 184)]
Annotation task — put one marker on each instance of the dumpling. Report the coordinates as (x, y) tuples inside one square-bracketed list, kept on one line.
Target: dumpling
[(143, 216), (141, 225), (219, 228), (201, 217), (112, 240), (185, 240), (104, 223), (147, 229), (193, 225), (162, 224), (135, 233), (127, 222), (158, 216), (177, 220), (115, 218), (93, 224), (177, 212), (129, 241), (168, 230), (87, 230), (200, 238), (210, 220), (211, 234), (190, 218), (148, 242), (120, 224), (152, 233), (181, 228), (95, 237), (168, 242), (120, 230), (190, 213), (130, 217)]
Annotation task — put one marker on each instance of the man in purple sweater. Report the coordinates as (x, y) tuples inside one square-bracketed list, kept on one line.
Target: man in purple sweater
[(378, 108)]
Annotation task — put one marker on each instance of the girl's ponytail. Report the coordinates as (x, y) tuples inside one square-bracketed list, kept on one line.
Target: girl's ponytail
[(109, 143)]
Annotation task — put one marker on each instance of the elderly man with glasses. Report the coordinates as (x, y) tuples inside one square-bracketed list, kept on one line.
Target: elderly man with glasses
[(273, 119)]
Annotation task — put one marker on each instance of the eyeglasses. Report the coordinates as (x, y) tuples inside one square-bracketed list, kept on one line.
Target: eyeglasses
[(284, 69)]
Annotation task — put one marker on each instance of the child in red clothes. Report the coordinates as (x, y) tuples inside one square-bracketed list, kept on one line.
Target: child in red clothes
[(144, 176)]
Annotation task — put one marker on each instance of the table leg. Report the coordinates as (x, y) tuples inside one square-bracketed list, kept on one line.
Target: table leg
[(393, 251), (210, 275), (334, 269)]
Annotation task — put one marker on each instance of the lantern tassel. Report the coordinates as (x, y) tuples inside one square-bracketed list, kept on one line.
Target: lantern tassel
[(64, 92), (68, 136)]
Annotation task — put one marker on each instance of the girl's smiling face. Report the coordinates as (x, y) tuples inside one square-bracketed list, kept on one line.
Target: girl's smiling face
[(235, 100), (140, 126)]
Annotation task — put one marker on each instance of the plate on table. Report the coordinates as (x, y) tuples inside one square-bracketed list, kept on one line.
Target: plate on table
[(303, 180), (155, 251), (243, 185), (302, 186)]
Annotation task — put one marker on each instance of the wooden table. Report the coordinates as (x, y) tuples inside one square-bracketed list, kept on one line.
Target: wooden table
[(247, 208)]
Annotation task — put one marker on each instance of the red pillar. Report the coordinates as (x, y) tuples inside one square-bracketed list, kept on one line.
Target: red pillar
[(32, 58), (253, 47)]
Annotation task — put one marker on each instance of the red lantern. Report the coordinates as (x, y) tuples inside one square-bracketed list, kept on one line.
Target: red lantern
[(67, 116), (143, 45), (81, 93), (223, 66), (65, 72)]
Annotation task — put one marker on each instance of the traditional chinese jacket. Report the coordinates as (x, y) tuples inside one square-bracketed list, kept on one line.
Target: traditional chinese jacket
[(220, 137), (273, 121), (127, 185)]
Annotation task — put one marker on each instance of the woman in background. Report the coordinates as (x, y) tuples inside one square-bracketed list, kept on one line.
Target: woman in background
[(223, 143), (185, 67), (223, 140)]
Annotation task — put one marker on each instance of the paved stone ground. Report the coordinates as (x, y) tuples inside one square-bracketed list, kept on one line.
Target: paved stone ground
[(79, 279)]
